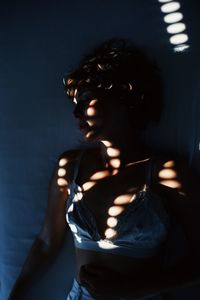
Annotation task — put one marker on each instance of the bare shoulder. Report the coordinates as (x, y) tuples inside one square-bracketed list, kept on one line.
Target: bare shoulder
[(175, 173), (177, 182)]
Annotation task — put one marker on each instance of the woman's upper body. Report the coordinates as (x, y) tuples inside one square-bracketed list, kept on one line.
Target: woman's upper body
[(117, 93)]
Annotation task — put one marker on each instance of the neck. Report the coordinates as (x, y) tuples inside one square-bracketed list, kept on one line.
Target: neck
[(130, 151)]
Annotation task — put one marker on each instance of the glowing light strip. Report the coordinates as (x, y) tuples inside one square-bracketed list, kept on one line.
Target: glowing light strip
[(176, 28)]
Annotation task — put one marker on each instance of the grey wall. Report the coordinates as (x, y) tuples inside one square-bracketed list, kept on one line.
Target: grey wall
[(38, 42)]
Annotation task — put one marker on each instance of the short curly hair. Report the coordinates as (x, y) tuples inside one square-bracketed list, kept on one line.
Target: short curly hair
[(117, 69)]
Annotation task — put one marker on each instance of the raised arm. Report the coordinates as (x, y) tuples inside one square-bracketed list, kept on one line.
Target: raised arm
[(49, 241)]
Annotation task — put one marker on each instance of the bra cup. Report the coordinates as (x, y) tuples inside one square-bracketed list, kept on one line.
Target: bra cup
[(143, 225)]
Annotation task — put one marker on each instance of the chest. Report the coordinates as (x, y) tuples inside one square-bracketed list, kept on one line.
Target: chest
[(108, 197)]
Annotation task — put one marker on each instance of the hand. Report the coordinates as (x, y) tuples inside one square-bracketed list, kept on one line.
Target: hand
[(101, 282)]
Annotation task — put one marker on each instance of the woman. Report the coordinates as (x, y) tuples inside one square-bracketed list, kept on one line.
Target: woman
[(122, 199)]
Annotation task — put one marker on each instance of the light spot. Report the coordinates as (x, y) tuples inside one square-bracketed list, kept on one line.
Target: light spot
[(61, 172), (89, 134), (71, 208), (108, 87), (69, 81), (73, 228), (182, 194), (105, 244), (91, 122), (100, 67), (130, 86), (93, 102), (171, 183), (163, 1), (114, 172), (68, 190), (169, 164), (88, 185), (181, 48), (110, 233), (115, 163), (62, 182), (100, 175), (167, 174), (63, 162), (179, 39), (113, 152), (170, 7), (75, 101), (176, 28), (79, 188), (107, 143), (173, 17), (78, 238), (124, 199), (91, 111), (75, 92), (78, 196), (144, 188), (115, 211), (112, 222)]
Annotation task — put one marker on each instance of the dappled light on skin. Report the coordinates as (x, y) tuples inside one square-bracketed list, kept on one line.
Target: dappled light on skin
[(91, 123), (110, 233), (107, 143), (62, 182), (115, 172), (112, 222), (93, 102), (89, 134), (91, 111), (175, 184), (169, 164), (113, 152), (124, 199), (68, 191), (63, 162), (115, 163), (100, 175), (61, 172), (167, 174), (115, 210), (88, 185)]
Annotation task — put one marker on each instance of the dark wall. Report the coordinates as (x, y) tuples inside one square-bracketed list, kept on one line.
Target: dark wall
[(39, 41)]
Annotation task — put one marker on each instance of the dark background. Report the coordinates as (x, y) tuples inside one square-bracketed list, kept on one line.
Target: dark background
[(39, 41)]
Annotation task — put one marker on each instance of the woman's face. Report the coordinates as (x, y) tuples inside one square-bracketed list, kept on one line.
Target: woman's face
[(100, 118)]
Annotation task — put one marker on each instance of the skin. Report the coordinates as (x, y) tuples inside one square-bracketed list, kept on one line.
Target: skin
[(113, 124)]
